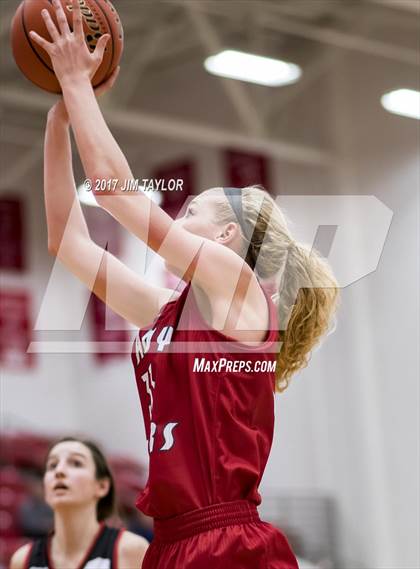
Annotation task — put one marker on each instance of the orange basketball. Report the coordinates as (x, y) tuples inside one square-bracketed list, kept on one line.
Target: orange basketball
[(99, 17)]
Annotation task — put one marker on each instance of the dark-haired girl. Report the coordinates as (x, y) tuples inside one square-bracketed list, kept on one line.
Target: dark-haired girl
[(79, 488)]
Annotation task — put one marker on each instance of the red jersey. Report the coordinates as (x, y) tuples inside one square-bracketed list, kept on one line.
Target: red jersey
[(208, 409)]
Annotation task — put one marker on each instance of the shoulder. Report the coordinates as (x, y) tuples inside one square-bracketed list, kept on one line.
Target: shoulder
[(244, 317), (131, 550), (18, 560)]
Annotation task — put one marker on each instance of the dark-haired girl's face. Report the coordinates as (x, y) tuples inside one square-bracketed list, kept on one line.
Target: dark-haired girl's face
[(70, 477)]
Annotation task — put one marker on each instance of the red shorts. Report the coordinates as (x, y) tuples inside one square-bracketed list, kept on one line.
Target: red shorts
[(229, 535)]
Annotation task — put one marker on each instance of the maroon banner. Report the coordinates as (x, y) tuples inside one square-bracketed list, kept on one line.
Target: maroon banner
[(246, 169), (174, 199), (107, 326), (15, 330), (11, 234)]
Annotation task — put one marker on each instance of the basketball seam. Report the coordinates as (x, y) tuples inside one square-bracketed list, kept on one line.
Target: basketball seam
[(29, 41), (112, 40), (38, 56)]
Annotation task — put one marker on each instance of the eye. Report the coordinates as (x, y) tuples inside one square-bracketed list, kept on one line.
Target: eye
[(51, 465), (76, 462)]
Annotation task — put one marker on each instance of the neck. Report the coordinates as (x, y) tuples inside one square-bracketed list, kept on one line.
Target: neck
[(74, 530)]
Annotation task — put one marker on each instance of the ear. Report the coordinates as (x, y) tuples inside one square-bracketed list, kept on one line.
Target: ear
[(228, 233), (102, 487)]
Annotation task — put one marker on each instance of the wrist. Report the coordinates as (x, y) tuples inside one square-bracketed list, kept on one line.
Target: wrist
[(58, 116), (75, 80)]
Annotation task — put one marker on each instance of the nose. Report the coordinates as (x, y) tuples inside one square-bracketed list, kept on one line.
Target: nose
[(59, 471)]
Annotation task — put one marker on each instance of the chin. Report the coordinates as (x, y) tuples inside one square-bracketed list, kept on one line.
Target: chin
[(60, 501)]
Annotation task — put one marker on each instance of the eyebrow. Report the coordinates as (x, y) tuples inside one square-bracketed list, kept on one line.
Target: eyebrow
[(71, 454)]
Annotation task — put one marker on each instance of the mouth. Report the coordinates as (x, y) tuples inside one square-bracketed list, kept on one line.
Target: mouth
[(61, 486)]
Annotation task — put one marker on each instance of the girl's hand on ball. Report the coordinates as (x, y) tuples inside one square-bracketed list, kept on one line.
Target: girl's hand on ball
[(69, 53), (59, 109), (108, 84)]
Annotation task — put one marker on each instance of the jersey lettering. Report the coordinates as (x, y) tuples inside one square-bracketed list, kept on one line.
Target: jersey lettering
[(147, 377), (138, 349), (164, 338), (142, 346), (167, 435), (152, 436), (98, 563), (146, 340)]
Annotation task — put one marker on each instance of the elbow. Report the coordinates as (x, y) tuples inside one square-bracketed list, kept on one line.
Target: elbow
[(108, 183), (55, 246), (52, 248), (103, 185)]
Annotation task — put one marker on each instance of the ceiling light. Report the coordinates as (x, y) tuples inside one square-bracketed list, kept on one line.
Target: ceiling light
[(405, 102), (252, 68)]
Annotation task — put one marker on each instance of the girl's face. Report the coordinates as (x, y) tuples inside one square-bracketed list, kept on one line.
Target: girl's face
[(199, 216), (70, 476)]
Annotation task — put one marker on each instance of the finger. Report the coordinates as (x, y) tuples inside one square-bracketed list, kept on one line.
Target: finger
[(104, 87), (114, 75), (109, 83), (77, 19), (100, 46), (61, 17), (43, 43), (52, 30)]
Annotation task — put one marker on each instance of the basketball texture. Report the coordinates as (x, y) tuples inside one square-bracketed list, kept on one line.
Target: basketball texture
[(99, 17)]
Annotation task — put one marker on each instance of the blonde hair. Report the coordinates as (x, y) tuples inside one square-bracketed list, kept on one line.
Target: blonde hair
[(307, 292)]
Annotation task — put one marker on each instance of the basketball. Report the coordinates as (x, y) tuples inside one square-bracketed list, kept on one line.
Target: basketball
[(99, 17)]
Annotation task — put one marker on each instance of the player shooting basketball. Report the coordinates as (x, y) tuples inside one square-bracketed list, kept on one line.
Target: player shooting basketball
[(209, 434)]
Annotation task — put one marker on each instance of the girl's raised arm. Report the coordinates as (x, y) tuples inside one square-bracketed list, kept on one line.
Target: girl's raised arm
[(68, 237), (102, 158)]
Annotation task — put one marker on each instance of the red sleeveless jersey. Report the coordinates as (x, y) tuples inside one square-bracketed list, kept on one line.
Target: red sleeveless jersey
[(208, 409)]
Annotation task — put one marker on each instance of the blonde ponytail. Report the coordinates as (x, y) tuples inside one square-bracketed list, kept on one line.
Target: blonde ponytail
[(307, 302), (307, 292)]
